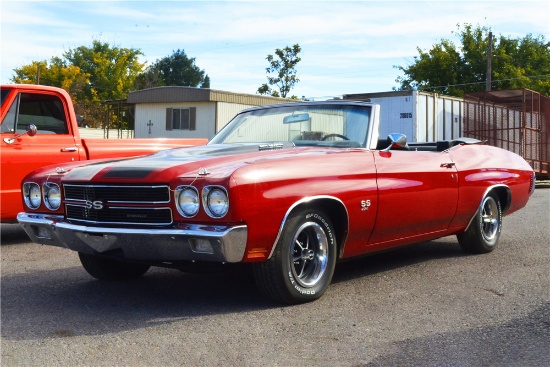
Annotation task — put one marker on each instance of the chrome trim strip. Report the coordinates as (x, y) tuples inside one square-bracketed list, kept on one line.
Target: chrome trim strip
[(373, 134), (534, 183), (137, 202), (491, 188), (302, 201), (123, 223), (228, 242)]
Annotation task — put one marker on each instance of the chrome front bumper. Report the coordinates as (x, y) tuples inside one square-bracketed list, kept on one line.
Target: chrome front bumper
[(193, 242)]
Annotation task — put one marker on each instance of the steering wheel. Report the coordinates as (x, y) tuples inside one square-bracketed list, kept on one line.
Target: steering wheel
[(334, 136)]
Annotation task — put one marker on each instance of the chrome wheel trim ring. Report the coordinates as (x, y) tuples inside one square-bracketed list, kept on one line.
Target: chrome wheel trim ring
[(308, 255), (490, 219)]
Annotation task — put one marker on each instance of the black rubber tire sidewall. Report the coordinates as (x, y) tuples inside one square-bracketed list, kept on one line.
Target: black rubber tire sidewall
[(473, 241), (104, 268), (274, 277)]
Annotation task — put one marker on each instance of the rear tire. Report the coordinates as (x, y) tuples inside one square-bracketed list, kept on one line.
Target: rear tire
[(103, 268), (302, 265), (483, 233)]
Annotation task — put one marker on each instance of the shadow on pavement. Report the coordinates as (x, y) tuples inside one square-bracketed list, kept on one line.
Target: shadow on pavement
[(11, 234)]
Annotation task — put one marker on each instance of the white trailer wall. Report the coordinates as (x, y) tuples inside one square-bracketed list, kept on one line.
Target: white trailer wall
[(226, 111), (151, 120), (420, 116)]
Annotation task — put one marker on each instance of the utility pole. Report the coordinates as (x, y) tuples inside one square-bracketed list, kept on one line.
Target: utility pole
[(489, 62)]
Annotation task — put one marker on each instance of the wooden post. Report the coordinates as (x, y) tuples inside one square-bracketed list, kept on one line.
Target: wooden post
[(489, 62)]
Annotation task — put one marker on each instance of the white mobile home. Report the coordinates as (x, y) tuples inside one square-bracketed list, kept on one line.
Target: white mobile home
[(187, 112)]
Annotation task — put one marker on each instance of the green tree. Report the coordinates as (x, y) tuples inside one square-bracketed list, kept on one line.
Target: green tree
[(113, 70), (57, 73), (174, 70), (90, 75), (206, 82), (29, 74), (448, 69), (282, 68), (112, 73)]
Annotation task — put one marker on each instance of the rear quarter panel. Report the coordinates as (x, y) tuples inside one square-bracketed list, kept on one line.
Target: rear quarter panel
[(481, 167)]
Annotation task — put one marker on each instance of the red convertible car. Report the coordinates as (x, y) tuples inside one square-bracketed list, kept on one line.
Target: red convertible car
[(290, 189)]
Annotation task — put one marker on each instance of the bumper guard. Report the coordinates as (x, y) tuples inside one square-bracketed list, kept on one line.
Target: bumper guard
[(192, 242)]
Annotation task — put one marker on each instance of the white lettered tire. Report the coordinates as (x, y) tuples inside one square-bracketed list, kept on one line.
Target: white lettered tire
[(301, 267), (483, 233)]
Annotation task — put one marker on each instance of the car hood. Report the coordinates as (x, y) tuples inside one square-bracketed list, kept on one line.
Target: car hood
[(215, 161)]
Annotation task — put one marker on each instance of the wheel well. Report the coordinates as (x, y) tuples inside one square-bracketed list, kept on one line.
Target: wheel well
[(337, 213), (504, 196)]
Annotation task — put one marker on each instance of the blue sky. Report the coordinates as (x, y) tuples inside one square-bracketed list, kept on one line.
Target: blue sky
[(347, 46)]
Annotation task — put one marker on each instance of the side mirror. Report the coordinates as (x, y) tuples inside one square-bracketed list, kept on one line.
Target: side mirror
[(30, 131), (397, 141)]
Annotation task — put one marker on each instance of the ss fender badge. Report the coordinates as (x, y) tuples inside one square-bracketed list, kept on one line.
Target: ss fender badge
[(365, 204)]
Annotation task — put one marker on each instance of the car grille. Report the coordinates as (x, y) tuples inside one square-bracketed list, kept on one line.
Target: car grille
[(119, 194), (115, 205)]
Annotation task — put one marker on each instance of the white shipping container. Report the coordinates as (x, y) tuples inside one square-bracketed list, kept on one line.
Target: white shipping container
[(421, 116)]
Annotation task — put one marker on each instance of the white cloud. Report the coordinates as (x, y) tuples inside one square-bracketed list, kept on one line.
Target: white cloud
[(346, 45)]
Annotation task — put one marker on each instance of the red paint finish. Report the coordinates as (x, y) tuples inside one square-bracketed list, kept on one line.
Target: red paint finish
[(267, 190), (481, 167), (376, 200), (416, 195)]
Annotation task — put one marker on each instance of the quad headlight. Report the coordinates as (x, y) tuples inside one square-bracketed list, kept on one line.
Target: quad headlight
[(32, 195), (187, 200), (215, 201), (52, 196)]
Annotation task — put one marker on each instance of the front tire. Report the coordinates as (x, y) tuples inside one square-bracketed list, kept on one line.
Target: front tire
[(301, 267), (483, 233), (103, 268)]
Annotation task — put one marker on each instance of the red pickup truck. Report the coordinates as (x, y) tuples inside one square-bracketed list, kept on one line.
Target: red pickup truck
[(39, 128)]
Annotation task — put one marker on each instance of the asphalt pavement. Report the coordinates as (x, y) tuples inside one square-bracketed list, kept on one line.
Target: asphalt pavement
[(424, 305)]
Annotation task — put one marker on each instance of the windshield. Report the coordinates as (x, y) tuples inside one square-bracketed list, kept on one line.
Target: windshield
[(316, 125)]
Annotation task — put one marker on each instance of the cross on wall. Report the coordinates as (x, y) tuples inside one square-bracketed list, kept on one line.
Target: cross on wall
[(150, 124)]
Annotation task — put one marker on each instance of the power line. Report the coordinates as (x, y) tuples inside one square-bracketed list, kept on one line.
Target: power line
[(483, 82)]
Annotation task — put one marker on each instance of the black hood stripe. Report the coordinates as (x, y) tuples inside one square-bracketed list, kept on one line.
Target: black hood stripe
[(129, 172)]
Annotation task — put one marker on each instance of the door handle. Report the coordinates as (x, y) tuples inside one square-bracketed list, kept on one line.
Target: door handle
[(448, 165), (70, 149)]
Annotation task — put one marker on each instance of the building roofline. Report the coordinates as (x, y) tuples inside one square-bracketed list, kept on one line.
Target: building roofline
[(172, 94), (398, 93)]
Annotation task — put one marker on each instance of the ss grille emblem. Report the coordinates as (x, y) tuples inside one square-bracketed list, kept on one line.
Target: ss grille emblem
[(97, 205)]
